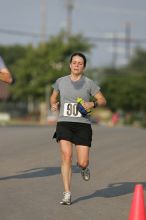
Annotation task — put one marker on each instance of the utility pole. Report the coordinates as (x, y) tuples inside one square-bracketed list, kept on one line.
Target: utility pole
[(127, 40), (43, 20), (69, 7), (114, 50)]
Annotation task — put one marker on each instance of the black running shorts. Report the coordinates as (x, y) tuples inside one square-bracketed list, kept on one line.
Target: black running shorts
[(75, 132)]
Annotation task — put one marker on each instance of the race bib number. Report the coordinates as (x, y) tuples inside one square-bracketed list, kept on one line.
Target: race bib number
[(70, 110)]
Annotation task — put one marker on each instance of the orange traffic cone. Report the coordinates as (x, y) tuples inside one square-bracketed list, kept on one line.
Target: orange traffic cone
[(137, 211)]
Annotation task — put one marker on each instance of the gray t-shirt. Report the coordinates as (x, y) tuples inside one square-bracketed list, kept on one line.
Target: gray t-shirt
[(2, 64), (69, 91)]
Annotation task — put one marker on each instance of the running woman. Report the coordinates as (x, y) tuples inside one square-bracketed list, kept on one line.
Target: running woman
[(5, 75), (72, 127)]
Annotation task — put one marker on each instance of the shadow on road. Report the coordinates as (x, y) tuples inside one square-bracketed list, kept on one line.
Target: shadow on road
[(112, 190), (38, 172)]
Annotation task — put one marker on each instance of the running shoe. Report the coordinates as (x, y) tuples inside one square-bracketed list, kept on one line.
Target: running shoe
[(66, 198), (85, 173)]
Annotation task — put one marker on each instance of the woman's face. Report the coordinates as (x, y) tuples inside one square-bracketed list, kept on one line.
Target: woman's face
[(77, 65)]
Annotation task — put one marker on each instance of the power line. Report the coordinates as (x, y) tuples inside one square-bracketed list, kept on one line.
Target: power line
[(17, 32), (102, 39)]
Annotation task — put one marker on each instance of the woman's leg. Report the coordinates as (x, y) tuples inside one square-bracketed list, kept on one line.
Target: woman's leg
[(82, 156), (66, 163), (83, 161)]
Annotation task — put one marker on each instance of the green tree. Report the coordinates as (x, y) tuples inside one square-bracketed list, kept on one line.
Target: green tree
[(138, 62), (12, 53), (125, 87), (125, 92), (43, 64)]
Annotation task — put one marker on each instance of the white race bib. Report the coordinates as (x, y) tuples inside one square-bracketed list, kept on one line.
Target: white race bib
[(70, 110)]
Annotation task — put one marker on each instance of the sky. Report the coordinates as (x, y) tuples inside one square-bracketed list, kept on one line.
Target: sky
[(93, 18)]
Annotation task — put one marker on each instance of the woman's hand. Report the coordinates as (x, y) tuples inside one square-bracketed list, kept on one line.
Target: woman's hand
[(88, 105), (55, 107)]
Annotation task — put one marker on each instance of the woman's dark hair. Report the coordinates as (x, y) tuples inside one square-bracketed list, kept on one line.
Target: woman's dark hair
[(80, 55)]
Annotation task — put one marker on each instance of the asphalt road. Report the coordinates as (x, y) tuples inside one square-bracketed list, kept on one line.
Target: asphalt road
[(31, 185)]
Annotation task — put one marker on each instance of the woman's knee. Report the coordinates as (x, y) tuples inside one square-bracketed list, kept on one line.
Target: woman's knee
[(67, 158), (66, 151), (83, 163)]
